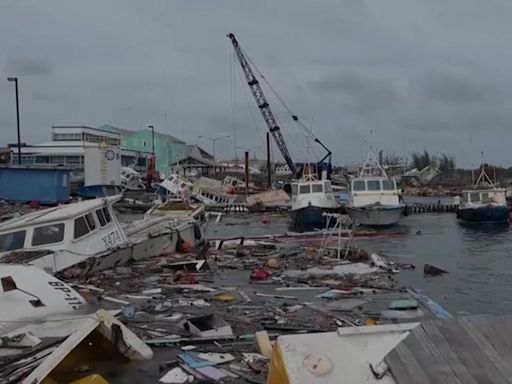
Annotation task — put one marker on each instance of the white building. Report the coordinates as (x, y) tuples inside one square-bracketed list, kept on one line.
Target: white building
[(95, 154)]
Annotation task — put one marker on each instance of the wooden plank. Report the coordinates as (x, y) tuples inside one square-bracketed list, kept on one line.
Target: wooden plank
[(444, 349), (497, 331), (500, 364), (470, 353), (431, 360), (405, 368)]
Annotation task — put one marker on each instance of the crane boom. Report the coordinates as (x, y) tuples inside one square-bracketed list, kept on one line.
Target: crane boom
[(263, 105)]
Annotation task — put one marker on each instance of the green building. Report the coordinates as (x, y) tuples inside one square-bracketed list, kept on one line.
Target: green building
[(168, 149)]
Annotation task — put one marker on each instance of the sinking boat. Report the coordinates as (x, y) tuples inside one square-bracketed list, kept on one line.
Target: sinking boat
[(374, 198), (484, 203), (87, 235), (174, 186), (311, 199)]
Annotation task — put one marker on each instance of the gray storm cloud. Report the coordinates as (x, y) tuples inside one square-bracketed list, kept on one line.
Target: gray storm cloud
[(417, 74)]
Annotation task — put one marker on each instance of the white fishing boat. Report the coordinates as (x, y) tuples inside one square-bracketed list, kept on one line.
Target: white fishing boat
[(174, 186), (131, 179), (311, 198), (374, 199), (484, 203), (87, 235)]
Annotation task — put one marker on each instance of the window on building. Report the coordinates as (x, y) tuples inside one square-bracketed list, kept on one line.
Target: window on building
[(11, 241), (388, 185), (306, 188), (67, 137), (373, 185), (317, 188), (72, 160), (48, 234), (144, 143), (358, 185), (57, 160), (42, 159)]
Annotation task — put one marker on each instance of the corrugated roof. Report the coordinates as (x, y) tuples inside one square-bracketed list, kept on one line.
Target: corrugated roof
[(467, 350)]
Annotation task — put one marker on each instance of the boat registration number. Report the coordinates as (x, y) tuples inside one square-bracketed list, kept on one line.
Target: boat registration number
[(111, 239), (73, 301)]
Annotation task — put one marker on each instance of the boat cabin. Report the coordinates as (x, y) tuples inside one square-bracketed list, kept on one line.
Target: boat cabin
[(371, 190), (131, 179), (485, 196), (84, 228), (302, 188)]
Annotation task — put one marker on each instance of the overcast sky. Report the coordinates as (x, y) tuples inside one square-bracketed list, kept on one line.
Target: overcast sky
[(401, 75)]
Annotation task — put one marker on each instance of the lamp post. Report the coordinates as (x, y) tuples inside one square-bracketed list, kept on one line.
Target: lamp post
[(152, 138), (213, 140), (15, 80)]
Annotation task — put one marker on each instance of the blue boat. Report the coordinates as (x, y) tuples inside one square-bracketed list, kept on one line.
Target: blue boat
[(484, 204), (98, 190)]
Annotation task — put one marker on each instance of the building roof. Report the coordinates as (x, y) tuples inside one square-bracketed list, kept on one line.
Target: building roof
[(470, 349), (129, 132), (121, 131), (196, 153)]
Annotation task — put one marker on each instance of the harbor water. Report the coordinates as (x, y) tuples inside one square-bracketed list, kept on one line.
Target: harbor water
[(479, 260)]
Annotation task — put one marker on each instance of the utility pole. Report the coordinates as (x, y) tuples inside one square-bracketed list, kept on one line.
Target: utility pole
[(152, 138), (15, 80), (269, 171), (213, 140), (246, 173)]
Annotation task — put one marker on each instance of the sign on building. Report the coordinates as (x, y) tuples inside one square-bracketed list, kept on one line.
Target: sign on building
[(102, 164)]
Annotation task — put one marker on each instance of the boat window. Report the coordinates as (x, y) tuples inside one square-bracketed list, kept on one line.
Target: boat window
[(101, 217), (317, 188), (373, 185), (90, 221), (328, 187), (388, 185), (11, 241), (81, 228), (306, 188), (358, 185), (485, 197), (48, 234), (474, 197), (107, 214), (294, 189)]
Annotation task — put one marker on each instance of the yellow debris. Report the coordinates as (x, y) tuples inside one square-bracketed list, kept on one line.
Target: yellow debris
[(91, 379)]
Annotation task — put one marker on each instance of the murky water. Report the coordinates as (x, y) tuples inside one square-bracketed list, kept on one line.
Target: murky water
[(479, 261)]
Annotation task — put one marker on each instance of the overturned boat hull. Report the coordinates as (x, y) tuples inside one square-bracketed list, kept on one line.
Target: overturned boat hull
[(484, 215), (381, 215)]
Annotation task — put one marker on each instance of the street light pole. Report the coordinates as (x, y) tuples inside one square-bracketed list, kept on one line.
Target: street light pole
[(152, 138), (15, 80), (213, 140)]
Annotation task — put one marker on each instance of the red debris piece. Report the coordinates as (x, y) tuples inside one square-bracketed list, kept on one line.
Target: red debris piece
[(266, 220), (260, 274)]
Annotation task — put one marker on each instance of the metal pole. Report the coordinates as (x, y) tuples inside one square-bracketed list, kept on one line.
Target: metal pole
[(18, 119), (214, 164), (15, 80), (152, 138), (246, 173), (269, 171)]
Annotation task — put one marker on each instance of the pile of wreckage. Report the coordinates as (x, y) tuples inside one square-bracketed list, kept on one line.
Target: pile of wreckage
[(156, 303), (209, 314)]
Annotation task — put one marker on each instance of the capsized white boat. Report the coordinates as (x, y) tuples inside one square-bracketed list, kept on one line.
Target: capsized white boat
[(131, 179), (374, 198), (88, 235)]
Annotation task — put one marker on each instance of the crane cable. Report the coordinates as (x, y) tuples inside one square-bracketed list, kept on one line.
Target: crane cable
[(288, 109)]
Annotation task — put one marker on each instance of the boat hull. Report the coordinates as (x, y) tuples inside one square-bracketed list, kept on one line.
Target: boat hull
[(375, 216), (310, 218), (482, 215)]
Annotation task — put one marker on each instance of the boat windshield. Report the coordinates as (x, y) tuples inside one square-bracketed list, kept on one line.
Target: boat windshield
[(388, 185), (294, 190), (305, 188), (358, 185), (13, 240), (373, 185), (317, 188)]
